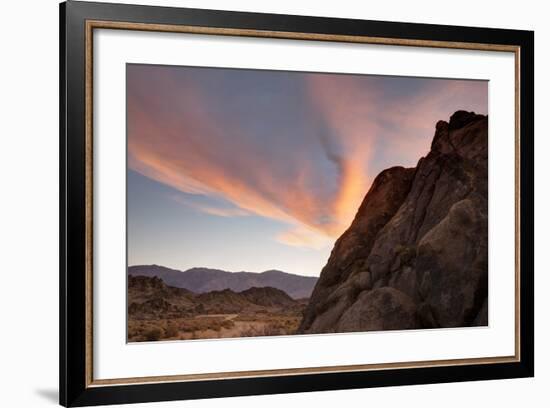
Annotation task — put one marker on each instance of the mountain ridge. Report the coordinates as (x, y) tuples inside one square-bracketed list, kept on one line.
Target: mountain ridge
[(201, 280)]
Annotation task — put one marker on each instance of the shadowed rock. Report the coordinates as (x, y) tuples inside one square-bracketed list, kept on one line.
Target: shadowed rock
[(415, 256)]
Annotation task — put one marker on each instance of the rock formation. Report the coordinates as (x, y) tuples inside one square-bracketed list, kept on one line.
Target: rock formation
[(151, 298), (415, 256)]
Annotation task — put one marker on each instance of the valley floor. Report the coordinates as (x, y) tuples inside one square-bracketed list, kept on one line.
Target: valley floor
[(211, 326)]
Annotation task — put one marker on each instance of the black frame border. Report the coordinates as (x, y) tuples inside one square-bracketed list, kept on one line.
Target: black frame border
[(72, 125)]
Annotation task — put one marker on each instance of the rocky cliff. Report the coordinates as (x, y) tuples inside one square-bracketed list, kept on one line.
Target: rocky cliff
[(415, 256)]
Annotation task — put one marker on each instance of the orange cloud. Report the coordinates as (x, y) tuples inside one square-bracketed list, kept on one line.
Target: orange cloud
[(195, 154), (350, 113), (302, 236)]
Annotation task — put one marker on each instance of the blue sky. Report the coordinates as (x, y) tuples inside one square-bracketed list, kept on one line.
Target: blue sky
[(255, 170)]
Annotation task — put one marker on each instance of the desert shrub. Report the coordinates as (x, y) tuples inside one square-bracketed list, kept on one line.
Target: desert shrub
[(250, 332), (171, 330), (272, 330), (269, 329), (227, 324), (153, 334)]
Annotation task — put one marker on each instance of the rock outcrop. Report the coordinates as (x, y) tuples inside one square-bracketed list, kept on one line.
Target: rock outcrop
[(415, 256), (150, 298)]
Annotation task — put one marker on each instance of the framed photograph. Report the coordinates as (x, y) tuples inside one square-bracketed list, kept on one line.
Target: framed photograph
[(257, 204)]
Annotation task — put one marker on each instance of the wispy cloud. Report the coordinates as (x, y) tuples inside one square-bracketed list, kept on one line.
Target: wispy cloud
[(303, 236), (210, 209)]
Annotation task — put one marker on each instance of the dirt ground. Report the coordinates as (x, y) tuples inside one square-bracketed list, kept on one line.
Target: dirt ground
[(213, 326)]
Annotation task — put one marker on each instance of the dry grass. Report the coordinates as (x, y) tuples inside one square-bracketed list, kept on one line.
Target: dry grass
[(218, 326)]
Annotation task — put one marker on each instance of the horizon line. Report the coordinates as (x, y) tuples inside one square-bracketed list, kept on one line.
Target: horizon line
[(223, 270)]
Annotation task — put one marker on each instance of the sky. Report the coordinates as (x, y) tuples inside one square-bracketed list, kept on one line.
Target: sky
[(252, 170)]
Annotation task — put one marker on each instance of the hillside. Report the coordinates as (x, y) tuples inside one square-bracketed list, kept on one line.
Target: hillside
[(202, 280), (158, 311), (415, 256)]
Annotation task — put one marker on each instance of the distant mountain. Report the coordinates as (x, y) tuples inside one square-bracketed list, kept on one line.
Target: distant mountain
[(202, 280)]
